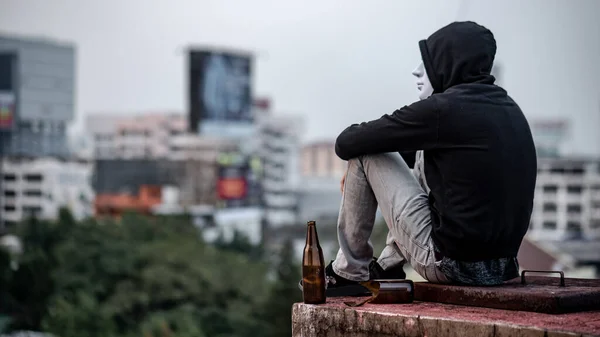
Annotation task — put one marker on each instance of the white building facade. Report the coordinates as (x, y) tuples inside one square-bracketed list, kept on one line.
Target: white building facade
[(134, 137), (318, 159), (567, 200), (279, 149), (40, 187)]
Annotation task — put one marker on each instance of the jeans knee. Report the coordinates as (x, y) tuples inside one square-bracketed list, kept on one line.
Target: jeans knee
[(355, 162)]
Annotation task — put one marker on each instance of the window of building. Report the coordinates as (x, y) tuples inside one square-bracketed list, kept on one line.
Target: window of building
[(575, 209), (10, 194), (32, 193), (557, 170), (549, 224), (9, 224), (595, 187), (34, 178), (6, 72), (550, 207), (10, 177), (574, 189), (574, 229), (595, 224), (577, 171), (9, 208), (32, 210), (25, 125), (550, 188)]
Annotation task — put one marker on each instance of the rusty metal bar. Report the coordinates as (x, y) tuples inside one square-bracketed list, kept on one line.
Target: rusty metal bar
[(562, 275)]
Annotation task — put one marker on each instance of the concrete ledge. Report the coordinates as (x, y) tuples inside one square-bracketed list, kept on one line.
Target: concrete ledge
[(334, 319)]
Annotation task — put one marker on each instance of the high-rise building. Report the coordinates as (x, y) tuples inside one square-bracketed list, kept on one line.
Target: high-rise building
[(279, 149), (567, 200), (37, 94)]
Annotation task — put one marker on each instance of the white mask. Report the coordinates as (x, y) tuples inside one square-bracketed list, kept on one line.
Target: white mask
[(423, 84)]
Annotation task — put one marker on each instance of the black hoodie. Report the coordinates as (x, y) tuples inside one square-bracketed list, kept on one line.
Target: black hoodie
[(480, 159)]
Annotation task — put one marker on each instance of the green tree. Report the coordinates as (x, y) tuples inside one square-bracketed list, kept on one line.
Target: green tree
[(151, 276), (142, 276), (31, 285), (284, 293)]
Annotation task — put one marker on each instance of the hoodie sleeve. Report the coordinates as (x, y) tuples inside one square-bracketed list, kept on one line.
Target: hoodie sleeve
[(411, 128)]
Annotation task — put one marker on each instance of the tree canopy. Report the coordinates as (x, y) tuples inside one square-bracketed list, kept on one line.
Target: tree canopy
[(143, 276)]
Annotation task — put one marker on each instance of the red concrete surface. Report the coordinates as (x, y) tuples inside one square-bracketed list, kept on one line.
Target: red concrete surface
[(540, 294), (582, 322)]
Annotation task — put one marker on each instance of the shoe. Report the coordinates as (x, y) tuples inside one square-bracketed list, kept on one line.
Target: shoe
[(337, 286), (376, 272)]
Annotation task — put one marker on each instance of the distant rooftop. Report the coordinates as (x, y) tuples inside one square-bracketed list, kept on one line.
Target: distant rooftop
[(35, 39)]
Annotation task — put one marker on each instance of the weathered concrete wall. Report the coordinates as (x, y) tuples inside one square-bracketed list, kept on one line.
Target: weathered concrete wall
[(415, 320)]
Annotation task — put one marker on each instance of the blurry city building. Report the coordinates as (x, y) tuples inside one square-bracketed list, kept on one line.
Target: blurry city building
[(196, 180), (40, 187), (80, 145), (318, 159), (550, 136), (37, 95), (319, 200), (279, 150), (246, 221), (567, 200), (134, 137), (544, 255), (319, 192)]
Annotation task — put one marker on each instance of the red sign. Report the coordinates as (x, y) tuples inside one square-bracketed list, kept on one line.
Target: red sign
[(232, 188), (7, 110)]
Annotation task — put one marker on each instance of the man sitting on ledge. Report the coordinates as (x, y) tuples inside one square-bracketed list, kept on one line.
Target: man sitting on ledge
[(460, 214)]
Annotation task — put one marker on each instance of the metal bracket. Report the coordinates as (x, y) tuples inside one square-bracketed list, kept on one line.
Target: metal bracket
[(562, 275)]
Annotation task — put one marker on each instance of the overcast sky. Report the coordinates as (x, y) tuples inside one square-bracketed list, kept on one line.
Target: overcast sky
[(334, 62)]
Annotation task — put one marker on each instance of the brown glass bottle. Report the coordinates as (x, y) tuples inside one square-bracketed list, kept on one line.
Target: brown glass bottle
[(313, 268)]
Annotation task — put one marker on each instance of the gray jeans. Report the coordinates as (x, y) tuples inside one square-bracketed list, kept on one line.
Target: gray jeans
[(386, 181)]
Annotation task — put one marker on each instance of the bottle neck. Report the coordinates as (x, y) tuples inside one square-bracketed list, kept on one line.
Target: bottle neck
[(311, 235)]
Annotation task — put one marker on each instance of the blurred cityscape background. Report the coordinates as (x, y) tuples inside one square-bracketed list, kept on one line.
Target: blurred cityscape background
[(223, 115)]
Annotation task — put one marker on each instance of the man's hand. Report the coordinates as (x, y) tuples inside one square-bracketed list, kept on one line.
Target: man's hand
[(343, 181)]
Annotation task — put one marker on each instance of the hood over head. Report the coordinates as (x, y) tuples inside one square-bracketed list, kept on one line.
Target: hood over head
[(461, 52)]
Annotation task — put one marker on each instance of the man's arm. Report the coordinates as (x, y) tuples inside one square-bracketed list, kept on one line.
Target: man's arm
[(411, 128)]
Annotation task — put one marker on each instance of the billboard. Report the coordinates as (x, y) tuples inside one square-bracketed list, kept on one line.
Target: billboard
[(7, 110), (220, 92), (238, 180)]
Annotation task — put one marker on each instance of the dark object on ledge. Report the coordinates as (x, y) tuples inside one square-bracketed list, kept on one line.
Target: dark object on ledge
[(386, 292), (539, 294), (562, 275)]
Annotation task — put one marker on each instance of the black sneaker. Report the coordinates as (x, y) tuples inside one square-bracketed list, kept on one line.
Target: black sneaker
[(376, 272), (337, 286)]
